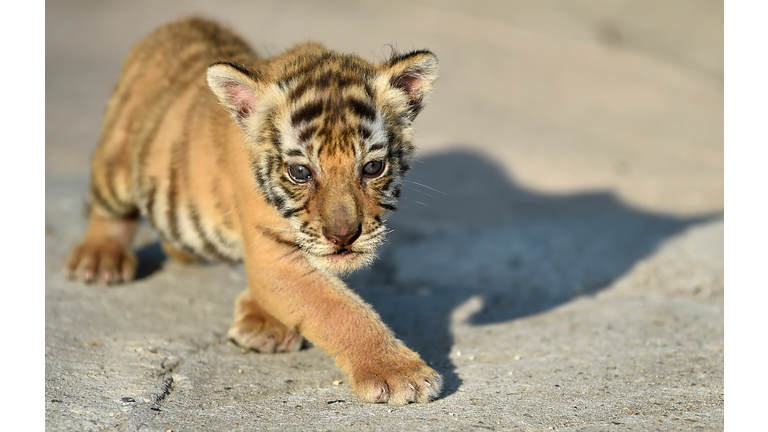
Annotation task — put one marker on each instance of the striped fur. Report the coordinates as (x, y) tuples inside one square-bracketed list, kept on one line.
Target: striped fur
[(201, 136), (317, 105)]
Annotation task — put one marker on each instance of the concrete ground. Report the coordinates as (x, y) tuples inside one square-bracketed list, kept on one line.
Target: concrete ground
[(558, 256)]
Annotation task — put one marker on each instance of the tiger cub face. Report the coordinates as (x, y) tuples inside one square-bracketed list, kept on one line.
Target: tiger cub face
[(330, 136)]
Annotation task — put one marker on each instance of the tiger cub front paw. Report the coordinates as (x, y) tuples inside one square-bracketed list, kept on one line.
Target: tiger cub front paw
[(265, 336), (104, 260), (398, 378), (256, 329)]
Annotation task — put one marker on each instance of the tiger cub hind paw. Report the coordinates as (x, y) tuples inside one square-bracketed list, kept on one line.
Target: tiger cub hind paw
[(396, 381), (103, 261), (265, 336)]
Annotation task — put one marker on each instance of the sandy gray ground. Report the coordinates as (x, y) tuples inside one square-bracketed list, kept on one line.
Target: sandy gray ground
[(563, 269)]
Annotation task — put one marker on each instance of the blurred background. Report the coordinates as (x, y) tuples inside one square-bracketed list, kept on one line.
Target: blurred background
[(564, 96)]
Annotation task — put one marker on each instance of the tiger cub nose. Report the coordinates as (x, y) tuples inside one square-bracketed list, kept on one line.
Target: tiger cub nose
[(342, 235)]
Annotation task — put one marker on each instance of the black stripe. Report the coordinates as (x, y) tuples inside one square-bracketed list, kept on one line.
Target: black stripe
[(324, 133), (306, 68), (397, 154), (396, 58), (386, 185), (376, 146), (365, 132), (391, 136), (260, 179), (414, 109), (324, 80), (285, 187), (170, 212), (241, 68), (404, 167), (299, 90), (362, 108), (220, 237), (102, 202), (295, 153), (290, 212), (307, 113), (278, 202), (273, 164), (208, 246), (179, 164), (271, 131), (388, 207), (307, 133), (272, 236), (151, 192)]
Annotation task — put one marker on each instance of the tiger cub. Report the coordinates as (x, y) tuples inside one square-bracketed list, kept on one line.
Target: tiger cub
[(289, 164)]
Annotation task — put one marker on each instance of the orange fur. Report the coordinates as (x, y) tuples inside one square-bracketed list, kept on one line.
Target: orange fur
[(289, 164)]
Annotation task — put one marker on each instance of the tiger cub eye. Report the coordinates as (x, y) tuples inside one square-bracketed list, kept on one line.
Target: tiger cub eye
[(300, 173), (373, 168)]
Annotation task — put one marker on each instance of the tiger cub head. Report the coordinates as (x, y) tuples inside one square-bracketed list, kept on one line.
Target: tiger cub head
[(330, 137)]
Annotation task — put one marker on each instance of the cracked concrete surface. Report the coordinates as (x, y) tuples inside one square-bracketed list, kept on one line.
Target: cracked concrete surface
[(558, 257)]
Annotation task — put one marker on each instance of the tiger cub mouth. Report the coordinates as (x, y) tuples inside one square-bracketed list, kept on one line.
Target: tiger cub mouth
[(345, 259)]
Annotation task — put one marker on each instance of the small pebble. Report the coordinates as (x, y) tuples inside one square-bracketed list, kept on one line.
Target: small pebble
[(337, 382), (240, 371), (517, 357)]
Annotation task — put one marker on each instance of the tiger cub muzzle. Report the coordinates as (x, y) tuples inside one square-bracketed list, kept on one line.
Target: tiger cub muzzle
[(342, 234), (342, 223)]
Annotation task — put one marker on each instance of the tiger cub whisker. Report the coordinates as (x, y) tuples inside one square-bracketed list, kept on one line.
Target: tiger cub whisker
[(423, 185)]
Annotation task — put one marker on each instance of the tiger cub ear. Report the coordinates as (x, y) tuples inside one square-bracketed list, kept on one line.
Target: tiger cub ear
[(413, 73), (236, 89)]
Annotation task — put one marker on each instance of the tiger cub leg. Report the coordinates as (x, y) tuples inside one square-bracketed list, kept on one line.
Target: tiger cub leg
[(178, 255), (256, 329), (335, 319), (104, 253)]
